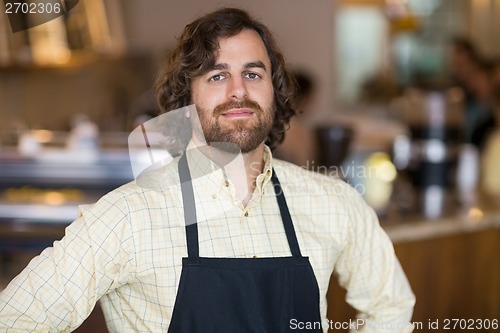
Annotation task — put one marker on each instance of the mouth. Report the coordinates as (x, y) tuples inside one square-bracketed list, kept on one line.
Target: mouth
[(238, 113)]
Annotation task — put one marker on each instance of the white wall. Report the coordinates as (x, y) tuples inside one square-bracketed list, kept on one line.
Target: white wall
[(303, 28)]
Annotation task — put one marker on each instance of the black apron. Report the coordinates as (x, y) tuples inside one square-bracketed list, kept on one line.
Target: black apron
[(240, 295)]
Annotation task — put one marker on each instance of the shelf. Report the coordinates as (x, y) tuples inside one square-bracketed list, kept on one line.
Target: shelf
[(76, 63)]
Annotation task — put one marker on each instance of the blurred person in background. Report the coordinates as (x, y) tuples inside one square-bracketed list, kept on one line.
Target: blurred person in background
[(474, 75), (299, 145), (479, 110), (463, 58)]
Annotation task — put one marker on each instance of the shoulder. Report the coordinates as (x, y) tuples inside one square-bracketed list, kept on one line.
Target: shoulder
[(299, 178), (324, 197), (139, 194)]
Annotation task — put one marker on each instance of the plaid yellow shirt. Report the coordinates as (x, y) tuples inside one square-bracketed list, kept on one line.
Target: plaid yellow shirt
[(126, 250)]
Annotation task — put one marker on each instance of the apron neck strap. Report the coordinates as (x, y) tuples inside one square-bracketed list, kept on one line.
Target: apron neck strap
[(189, 208), (286, 217), (191, 220)]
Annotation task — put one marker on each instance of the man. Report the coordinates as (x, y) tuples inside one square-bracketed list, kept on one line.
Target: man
[(225, 252)]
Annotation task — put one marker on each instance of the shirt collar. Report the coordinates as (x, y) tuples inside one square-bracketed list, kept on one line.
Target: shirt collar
[(267, 171), (210, 174)]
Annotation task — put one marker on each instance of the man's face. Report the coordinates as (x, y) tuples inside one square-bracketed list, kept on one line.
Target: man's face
[(235, 99)]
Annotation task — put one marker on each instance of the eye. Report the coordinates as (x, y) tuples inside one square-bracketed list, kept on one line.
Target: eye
[(252, 76), (217, 77)]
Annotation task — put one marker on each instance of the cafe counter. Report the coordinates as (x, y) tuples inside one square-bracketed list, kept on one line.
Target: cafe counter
[(452, 264)]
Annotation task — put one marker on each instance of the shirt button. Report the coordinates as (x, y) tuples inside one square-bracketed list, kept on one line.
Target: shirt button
[(214, 196), (246, 213), (254, 257), (226, 184)]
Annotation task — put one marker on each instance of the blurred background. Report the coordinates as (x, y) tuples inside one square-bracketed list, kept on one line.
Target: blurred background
[(400, 98)]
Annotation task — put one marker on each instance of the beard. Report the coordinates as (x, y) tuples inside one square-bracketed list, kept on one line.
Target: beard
[(246, 134)]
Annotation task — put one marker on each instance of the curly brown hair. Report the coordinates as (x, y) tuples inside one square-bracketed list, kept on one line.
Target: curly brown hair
[(196, 53)]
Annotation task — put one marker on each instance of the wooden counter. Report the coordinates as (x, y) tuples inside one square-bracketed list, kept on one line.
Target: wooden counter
[(452, 264)]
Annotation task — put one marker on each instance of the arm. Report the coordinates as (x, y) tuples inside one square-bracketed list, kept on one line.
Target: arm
[(370, 272), (57, 291)]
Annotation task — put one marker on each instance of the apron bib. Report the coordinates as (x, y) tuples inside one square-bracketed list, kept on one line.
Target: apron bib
[(243, 295)]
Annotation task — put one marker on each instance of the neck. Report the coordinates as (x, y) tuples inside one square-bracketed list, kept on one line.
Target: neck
[(243, 174), (242, 170)]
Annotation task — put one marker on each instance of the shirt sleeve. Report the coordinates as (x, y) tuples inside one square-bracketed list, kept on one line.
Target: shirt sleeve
[(59, 288), (371, 274)]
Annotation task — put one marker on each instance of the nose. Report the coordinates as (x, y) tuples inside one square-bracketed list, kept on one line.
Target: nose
[(236, 89)]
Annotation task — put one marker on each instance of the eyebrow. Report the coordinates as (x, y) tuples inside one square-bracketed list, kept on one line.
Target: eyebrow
[(253, 64)]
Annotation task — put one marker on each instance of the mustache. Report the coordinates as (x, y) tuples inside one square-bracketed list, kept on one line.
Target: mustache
[(245, 104)]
